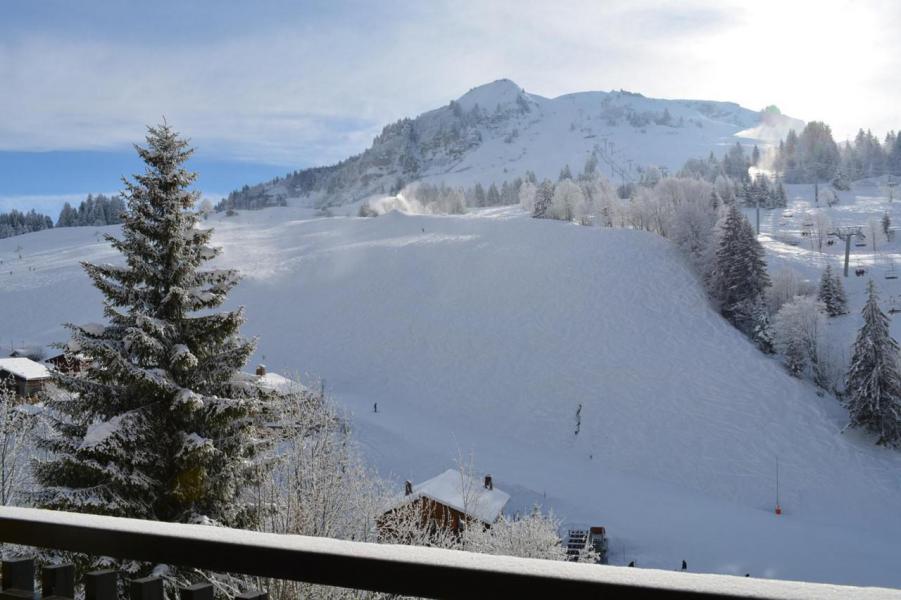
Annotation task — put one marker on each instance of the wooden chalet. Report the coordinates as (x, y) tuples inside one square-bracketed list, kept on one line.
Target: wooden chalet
[(67, 362), (25, 376), (451, 500)]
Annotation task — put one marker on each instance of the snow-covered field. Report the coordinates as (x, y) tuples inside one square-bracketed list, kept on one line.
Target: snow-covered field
[(484, 334)]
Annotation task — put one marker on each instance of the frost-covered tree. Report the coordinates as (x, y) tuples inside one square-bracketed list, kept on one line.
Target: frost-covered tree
[(17, 424), (832, 293), (786, 284), (800, 327), (160, 425), (739, 277), (874, 383), (530, 536), (320, 485), (567, 201), (527, 193)]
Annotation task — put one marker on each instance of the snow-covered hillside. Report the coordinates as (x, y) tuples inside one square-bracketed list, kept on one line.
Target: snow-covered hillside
[(484, 333), (498, 132)]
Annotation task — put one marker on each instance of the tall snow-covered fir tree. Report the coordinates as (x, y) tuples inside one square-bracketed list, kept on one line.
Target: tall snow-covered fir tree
[(739, 278), (874, 382), (160, 425)]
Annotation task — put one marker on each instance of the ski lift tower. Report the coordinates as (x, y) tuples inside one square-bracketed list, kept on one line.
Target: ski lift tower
[(845, 234)]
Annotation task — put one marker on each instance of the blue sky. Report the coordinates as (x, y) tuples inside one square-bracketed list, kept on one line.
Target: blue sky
[(266, 87)]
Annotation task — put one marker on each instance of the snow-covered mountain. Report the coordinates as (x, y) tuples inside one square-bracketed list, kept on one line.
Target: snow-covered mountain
[(486, 332), (498, 132)]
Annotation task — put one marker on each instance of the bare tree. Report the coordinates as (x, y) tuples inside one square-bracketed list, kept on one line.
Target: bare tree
[(17, 424), (822, 225)]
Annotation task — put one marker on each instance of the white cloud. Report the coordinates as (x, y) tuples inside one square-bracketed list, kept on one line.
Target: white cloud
[(312, 93), (48, 204)]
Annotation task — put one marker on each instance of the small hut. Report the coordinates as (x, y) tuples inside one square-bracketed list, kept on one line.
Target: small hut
[(25, 376)]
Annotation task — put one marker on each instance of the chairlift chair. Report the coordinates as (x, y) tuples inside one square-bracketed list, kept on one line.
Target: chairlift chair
[(894, 308), (891, 273)]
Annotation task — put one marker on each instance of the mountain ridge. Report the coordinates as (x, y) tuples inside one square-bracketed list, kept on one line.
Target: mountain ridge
[(498, 131)]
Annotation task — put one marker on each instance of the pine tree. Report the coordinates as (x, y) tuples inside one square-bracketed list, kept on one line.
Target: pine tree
[(780, 196), (839, 301), (827, 293), (874, 382), (739, 278), (544, 195), (493, 198), (160, 426), (795, 357), (479, 195), (761, 328)]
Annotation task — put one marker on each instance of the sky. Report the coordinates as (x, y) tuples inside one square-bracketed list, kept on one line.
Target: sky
[(262, 88)]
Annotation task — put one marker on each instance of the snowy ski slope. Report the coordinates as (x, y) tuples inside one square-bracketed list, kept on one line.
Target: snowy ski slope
[(484, 333)]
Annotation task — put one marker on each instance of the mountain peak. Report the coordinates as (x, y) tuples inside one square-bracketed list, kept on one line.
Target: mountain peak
[(489, 95)]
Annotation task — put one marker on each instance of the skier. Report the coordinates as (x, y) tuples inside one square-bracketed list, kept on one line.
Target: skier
[(375, 407), (631, 563), (684, 566)]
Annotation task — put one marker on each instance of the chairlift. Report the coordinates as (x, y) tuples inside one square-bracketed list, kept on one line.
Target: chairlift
[(891, 273), (830, 242), (861, 241), (859, 271), (894, 308)]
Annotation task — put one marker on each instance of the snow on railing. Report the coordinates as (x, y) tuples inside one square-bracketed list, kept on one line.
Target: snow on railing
[(406, 570)]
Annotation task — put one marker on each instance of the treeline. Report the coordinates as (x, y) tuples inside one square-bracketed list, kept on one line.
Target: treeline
[(814, 156), (93, 210), (734, 168), (250, 198), (16, 222)]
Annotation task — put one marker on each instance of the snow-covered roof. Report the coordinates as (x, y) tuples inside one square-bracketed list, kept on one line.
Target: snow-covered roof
[(25, 351), (271, 382), (462, 493), (276, 383), (24, 368)]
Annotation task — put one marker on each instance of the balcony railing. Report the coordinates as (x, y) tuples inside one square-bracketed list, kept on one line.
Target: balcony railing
[(405, 570)]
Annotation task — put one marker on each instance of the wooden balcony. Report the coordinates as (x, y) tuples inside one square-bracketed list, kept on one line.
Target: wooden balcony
[(405, 570)]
